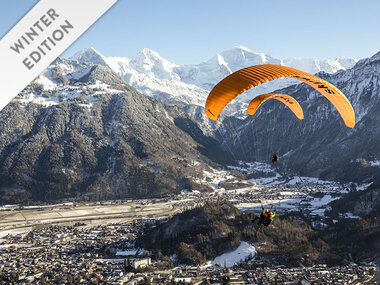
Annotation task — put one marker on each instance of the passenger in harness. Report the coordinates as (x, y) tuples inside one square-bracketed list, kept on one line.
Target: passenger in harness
[(265, 218)]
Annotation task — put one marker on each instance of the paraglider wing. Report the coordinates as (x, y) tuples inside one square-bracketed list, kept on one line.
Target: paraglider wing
[(289, 101), (242, 80)]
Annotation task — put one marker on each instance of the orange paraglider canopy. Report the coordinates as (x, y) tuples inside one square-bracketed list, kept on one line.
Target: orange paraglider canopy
[(289, 101), (242, 80)]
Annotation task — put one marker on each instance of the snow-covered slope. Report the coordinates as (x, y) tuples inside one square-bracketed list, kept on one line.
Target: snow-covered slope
[(59, 84), (149, 73), (314, 66), (190, 84)]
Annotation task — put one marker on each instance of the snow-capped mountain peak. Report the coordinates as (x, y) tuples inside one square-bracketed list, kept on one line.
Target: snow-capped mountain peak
[(244, 48), (346, 63), (149, 60), (240, 57), (90, 55)]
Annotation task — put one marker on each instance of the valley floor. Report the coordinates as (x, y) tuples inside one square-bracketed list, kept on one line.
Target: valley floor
[(94, 241)]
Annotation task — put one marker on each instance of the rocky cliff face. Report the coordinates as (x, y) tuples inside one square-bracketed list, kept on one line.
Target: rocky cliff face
[(80, 131)]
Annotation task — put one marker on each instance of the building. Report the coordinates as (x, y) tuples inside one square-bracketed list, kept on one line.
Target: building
[(141, 263)]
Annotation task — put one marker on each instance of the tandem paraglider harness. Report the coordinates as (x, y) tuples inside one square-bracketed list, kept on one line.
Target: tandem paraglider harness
[(266, 217)]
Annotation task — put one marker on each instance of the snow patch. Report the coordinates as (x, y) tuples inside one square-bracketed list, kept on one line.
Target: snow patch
[(40, 100), (127, 252), (230, 258), (45, 82)]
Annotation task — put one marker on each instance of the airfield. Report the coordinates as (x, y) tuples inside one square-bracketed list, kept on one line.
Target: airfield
[(13, 218)]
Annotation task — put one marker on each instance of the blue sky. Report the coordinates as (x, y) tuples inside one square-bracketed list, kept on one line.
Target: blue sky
[(193, 31)]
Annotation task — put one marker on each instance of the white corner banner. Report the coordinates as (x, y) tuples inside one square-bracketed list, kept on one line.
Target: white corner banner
[(40, 37)]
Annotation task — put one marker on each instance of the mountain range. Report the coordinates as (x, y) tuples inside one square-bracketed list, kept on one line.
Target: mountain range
[(155, 76), (86, 128), (322, 144)]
